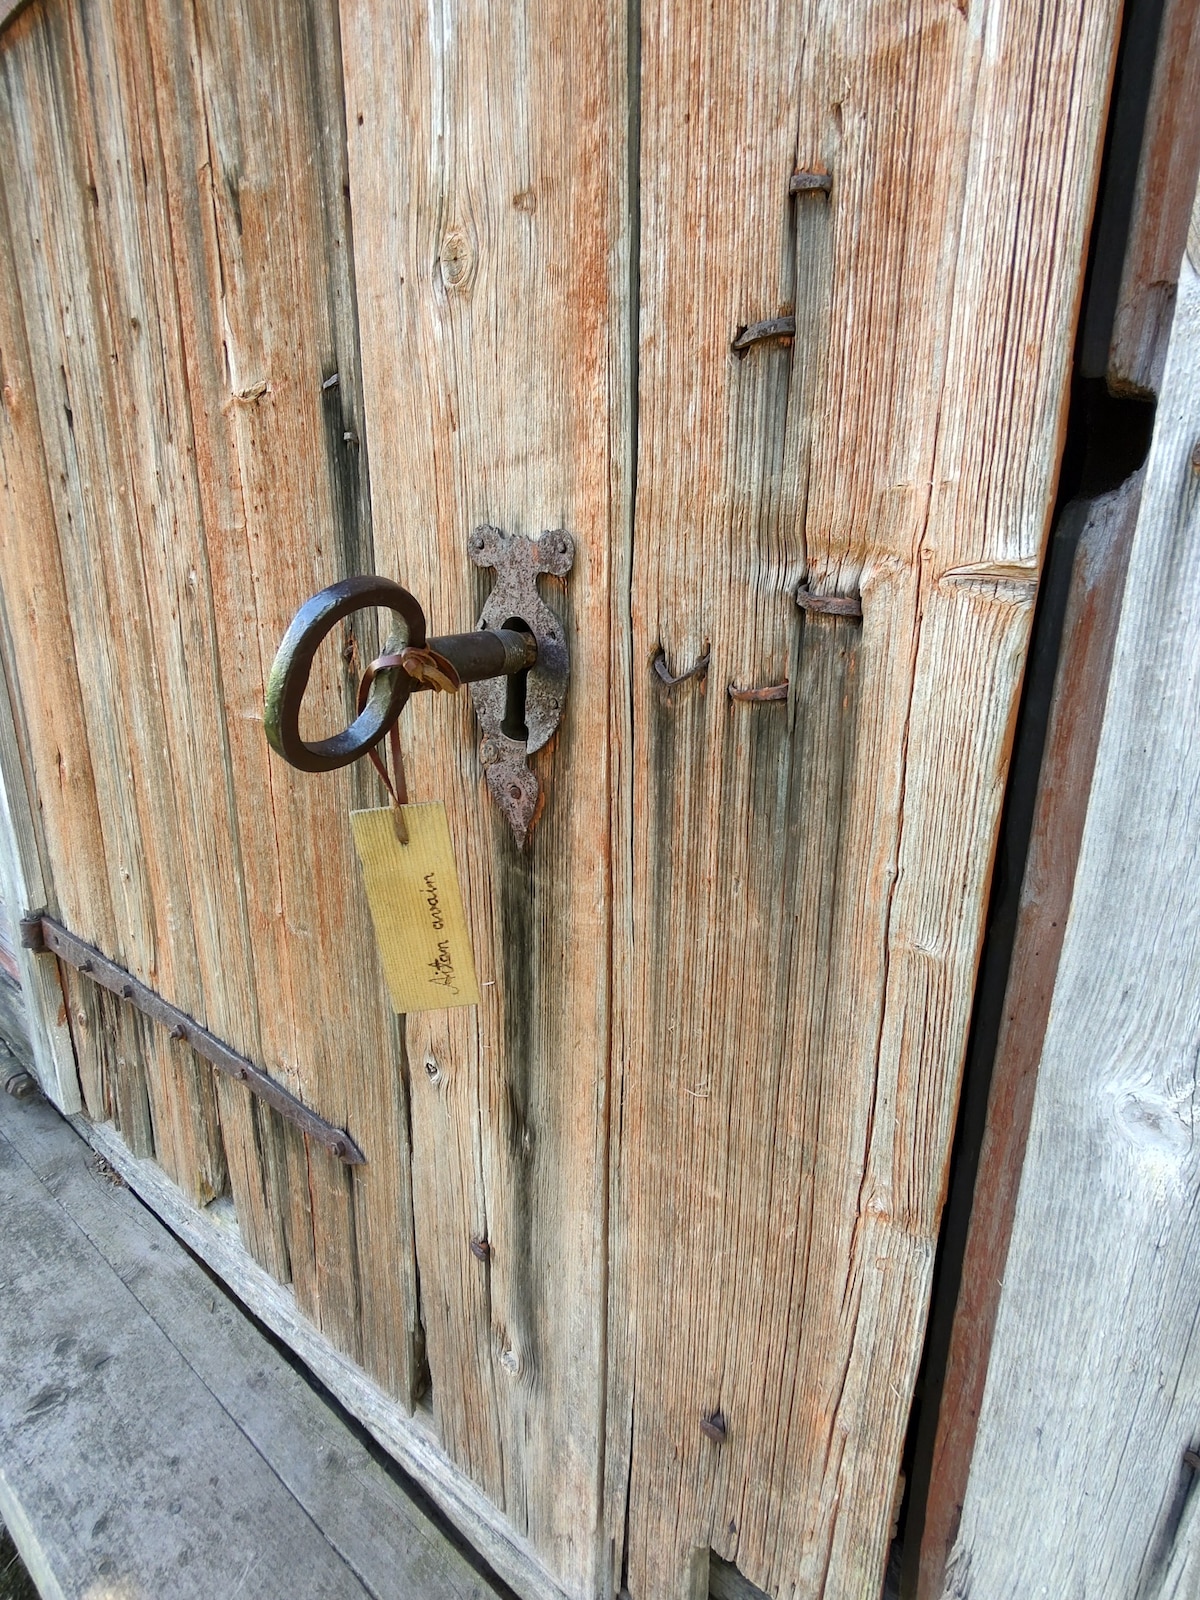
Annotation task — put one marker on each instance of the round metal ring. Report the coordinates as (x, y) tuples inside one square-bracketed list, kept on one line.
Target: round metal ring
[(289, 674)]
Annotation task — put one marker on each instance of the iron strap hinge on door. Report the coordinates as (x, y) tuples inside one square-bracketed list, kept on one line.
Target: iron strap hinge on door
[(41, 933)]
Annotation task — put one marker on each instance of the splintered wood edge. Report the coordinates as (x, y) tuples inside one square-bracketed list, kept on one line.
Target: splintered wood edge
[(409, 1440), (24, 884)]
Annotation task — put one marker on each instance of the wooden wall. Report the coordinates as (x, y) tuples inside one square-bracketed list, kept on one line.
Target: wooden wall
[(1086, 1460)]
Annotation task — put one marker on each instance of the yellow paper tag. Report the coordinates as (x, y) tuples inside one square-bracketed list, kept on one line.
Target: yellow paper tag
[(416, 907)]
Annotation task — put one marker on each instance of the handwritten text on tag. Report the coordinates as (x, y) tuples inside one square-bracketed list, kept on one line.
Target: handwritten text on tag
[(416, 906)]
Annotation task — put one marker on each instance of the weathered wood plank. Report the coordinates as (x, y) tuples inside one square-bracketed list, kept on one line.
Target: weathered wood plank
[(106, 1433), (384, 1539), (409, 1437), (86, 255), (810, 878), (250, 102), (1079, 1482), (36, 1005), (139, 1353), (1089, 628), (1166, 185), (179, 224), (491, 247)]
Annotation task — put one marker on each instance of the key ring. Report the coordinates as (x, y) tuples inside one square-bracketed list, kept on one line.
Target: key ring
[(389, 690)]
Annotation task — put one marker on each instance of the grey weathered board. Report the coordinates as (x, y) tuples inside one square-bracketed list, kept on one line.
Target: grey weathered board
[(1079, 1483), (1101, 532), (152, 1441)]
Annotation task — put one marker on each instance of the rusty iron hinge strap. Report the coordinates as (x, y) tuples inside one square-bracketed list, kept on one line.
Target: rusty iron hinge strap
[(43, 933)]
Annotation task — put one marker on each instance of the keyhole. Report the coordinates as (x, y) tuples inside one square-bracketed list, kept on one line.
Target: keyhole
[(513, 727)]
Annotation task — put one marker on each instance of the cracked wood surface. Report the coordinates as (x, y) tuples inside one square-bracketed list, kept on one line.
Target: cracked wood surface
[(491, 244), (1079, 1481), (178, 476), (810, 878), (703, 1113)]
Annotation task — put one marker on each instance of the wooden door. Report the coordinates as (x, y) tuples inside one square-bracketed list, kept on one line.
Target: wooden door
[(639, 1256)]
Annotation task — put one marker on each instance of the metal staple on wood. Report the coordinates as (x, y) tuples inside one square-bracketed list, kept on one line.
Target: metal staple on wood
[(810, 183), (42, 933), (757, 332), (829, 605)]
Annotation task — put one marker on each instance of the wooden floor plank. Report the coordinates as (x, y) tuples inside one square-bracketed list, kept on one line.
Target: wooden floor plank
[(409, 1437), (226, 1373), (124, 1468)]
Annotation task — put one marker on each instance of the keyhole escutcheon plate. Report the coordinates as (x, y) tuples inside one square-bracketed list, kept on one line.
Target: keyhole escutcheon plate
[(518, 562)]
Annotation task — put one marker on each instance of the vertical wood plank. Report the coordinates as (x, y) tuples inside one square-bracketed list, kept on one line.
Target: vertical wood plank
[(1079, 1479), (177, 209), (1089, 628), (47, 763), (1166, 187), (250, 101), (487, 149), (809, 890)]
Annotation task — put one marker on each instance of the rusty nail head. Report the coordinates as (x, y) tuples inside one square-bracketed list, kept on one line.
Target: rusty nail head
[(127, 991), (179, 1031), (480, 1249), (1196, 456), (712, 1426)]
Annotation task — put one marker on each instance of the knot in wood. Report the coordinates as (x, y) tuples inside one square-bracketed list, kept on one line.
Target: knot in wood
[(457, 259)]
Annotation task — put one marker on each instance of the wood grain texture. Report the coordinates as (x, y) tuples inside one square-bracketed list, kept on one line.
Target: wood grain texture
[(487, 171), (129, 1474), (250, 103), (221, 1369), (36, 1003), (178, 229), (1166, 185), (1089, 629), (726, 992), (408, 1436), (1079, 1483), (809, 879)]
